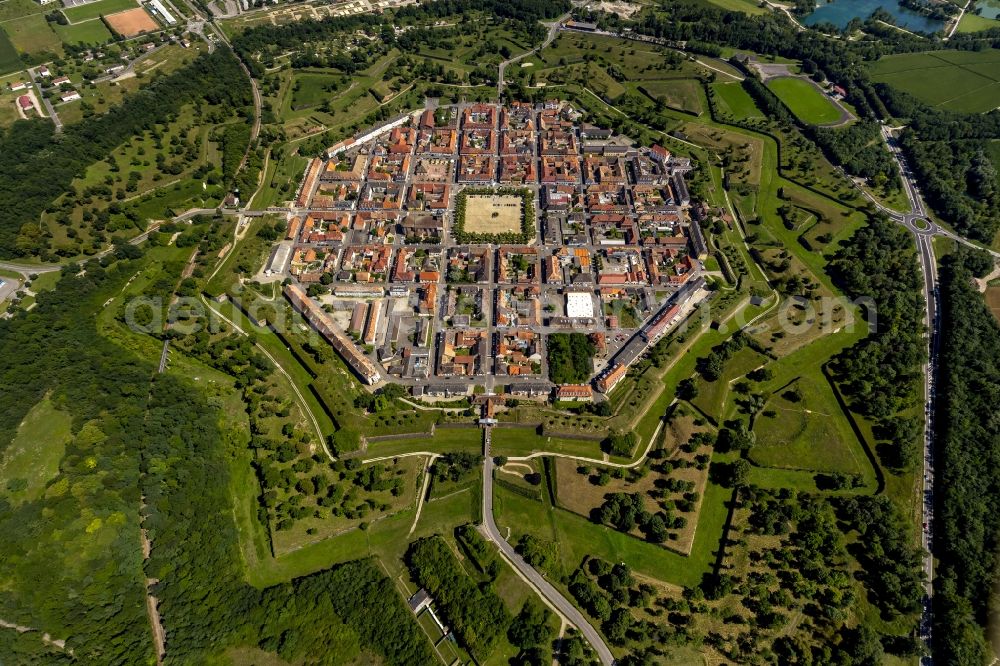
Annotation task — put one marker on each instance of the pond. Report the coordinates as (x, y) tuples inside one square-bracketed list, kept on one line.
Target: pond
[(840, 13), (988, 9)]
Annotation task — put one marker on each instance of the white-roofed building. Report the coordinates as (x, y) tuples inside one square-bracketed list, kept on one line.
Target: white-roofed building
[(579, 305)]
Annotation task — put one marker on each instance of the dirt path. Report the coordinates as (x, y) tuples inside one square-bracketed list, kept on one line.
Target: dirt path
[(983, 283), (423, 491), (302, 401), (159, 639)]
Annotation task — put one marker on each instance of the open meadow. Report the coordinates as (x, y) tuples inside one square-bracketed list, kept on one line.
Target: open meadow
[(735, 101), (32, 459)]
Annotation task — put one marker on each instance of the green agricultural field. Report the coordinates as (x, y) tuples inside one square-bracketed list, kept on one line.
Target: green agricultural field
[(87, 32), (964, 81), (32, 459), (97, 9), (33, 34), (9, 60), (683, 94), (734, 100), (805, 100)]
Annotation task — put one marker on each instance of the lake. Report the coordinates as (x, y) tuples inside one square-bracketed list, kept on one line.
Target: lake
[(840, 13)]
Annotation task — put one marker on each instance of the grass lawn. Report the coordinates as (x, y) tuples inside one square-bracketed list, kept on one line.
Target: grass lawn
[(712, 395), (313, 88), (97, 9), (87, 32), (45, 281), (409, 469), (8, 112), (579, 492), (734, 100), (519, 442), (747, 150), (962, 81), (11, 9), (32, 458), (973, 23), (445, 440), (387, 539), (683, 94), (578, 537), (807, 433), (745, 6), (284, 171), (805, 100), (33, 34), (268, 340)]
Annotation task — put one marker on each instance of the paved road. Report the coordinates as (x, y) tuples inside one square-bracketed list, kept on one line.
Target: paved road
[(554, 28), (29, 269), (542, 586), (958, 20), (924, 231), (45, 101)]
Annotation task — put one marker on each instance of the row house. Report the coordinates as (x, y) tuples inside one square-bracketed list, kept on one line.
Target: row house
[(518, 116), (621, 267), (462, 353), (428, 196), (477, 169), (607, 199), (433, 170), (517, 142), (479, 116), (345, 168), (565, 169), (604, 171), (613, 229), (518, 306), (557, 142), (517, 265), (478, 142), (517, 170), (438, 142)]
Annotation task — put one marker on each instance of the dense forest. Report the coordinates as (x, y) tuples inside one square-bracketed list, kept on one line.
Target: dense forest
[(75, 568), (968, 460), (859, 149), (40, 165), (570, 357), (72, 554), (880, 373), (476, 613)]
